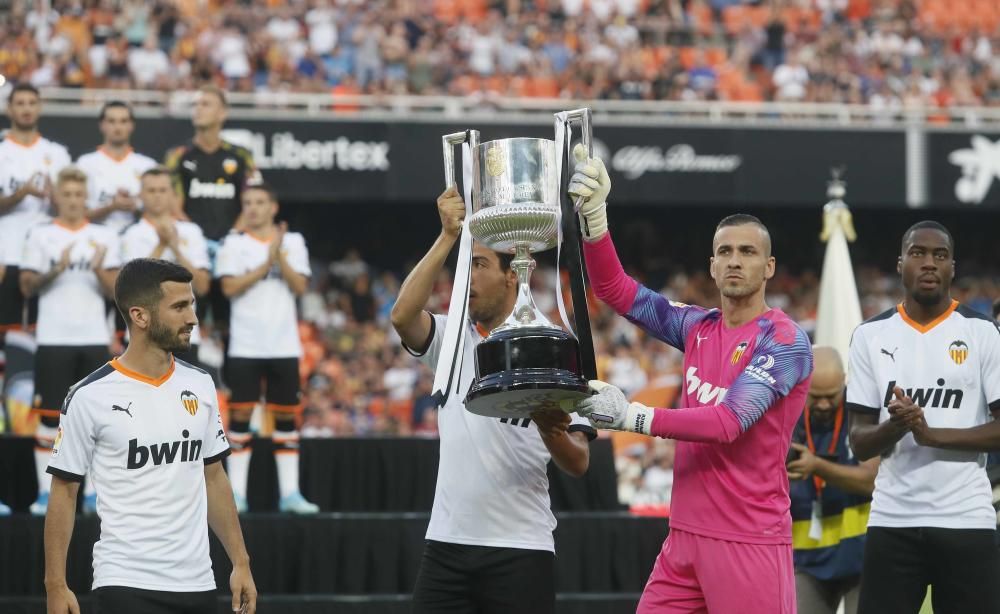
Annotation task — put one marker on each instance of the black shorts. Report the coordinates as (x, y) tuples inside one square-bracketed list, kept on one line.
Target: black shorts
[(125, 599), (57, 367), (277, 378), (12, 312), (961, 565), (216, 303), (484, 580)]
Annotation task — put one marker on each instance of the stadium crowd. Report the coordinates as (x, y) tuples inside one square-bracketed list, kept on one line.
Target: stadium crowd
[(890, 54)]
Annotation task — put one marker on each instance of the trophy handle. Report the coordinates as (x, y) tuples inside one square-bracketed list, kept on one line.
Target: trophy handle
[(448, 143), (574, 249), (582, 117)]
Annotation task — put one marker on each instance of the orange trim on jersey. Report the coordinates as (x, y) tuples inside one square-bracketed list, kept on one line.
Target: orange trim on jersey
[(286, 452), (62, 225), (48, 413), (119, 160), (923, 328), (9, 327), (42, 449), (483, 332), (288, 409), (256, 238), (38, 137), (119, 367)]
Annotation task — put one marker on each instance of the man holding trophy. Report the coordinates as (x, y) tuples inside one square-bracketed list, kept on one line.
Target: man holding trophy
[(489, 542), (747, 370)]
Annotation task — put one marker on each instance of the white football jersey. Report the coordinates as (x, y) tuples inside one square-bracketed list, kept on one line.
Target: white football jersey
[(18, 164), (106, 175), (951, 369), (492, 486), (140, 240), (145, 444), (263, 321), (71, 308)]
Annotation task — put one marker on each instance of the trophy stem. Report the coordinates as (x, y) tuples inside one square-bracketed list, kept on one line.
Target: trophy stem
[(525, 312)]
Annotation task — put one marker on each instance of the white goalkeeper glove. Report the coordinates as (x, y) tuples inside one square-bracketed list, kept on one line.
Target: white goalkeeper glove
[(590, 181), (609, 409)]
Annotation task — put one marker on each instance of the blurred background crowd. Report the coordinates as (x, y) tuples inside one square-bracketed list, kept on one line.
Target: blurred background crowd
[(890, 54)]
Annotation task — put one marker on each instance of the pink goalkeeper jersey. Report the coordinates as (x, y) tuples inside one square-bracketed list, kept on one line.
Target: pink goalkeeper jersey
[(744, 389)]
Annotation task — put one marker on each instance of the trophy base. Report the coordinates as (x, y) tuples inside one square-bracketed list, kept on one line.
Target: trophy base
[(525, 369)]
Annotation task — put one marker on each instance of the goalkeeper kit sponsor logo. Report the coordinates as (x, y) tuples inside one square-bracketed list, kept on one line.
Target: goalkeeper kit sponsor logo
[(705, 392), (286, 151), (183, 450), (760, 368), (928, 398), (635, 161)]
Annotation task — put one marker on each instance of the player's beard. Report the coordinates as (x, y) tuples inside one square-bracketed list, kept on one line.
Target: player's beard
[(485, 312), (738, 291), (928, 299), (24, 127), (168, 339)]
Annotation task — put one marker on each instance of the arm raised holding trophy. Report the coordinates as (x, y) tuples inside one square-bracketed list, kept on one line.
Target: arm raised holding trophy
[(746, 369), (491, 523)]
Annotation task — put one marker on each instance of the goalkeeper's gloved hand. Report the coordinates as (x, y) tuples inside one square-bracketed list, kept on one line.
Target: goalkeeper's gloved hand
[(609, 409), (590, 181)]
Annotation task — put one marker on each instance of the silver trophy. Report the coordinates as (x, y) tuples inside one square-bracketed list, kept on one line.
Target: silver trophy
[(527, 363)]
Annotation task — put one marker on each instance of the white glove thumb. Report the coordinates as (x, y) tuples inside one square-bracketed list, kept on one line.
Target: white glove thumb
[(590, 182)]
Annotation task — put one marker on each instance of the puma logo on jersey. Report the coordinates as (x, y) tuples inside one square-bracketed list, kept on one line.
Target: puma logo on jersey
[(207, 189), (191, 165), (705, 392), (184, 450), (891, 354), (124, 409), (699, 338), (938, 398)]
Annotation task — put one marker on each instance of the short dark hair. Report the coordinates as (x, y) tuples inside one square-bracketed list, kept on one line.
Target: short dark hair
[(138, 283), (157, 171), (929, 225), (215, 90), (263, 187), (505, 260), (743, 219), (116, 104), (23, 87)]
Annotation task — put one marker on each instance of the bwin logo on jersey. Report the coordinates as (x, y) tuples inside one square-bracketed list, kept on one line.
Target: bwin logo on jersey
[(207, 189), (163, 453), (938, 398), (705, 392)]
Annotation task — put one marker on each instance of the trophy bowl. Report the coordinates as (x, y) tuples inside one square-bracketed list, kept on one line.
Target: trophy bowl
[(518, 193)]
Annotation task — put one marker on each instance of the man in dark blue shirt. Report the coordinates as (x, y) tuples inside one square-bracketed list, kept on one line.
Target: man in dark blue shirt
[(831, 496)]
